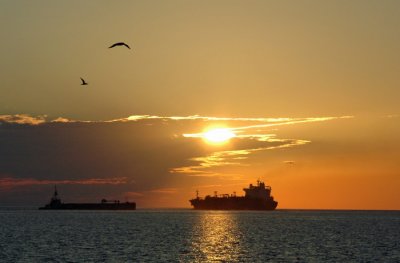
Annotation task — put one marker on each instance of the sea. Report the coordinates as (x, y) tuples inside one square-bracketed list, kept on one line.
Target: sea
[(184, 235)]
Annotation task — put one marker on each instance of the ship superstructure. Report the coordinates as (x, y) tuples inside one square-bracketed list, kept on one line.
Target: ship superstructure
[(55, 203), (257, 197)]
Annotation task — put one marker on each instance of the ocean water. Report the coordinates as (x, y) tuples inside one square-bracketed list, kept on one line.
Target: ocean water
[(199, 236)]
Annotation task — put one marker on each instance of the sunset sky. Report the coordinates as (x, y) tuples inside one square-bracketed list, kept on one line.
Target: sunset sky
[(305, 95)]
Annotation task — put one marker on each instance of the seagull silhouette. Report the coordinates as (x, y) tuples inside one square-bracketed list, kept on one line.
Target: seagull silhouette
[(84, 82), (119, 44)]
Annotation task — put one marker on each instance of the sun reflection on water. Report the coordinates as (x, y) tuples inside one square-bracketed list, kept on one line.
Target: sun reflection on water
[(216, 238)]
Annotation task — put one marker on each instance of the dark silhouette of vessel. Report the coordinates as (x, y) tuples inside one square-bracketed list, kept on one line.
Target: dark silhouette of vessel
[(56, 204), (256, 198)]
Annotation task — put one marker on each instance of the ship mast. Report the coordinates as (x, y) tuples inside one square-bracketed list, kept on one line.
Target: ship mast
[(55, 195), (55, 192)]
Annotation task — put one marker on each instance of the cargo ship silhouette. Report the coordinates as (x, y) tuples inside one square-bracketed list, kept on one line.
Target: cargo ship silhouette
[(56, 204), (256, 198)]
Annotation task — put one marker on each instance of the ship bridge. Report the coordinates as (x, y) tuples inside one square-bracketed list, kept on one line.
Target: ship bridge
[(258, 191)]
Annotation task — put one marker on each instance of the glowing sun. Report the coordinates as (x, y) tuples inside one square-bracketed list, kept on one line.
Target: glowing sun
[(218, 136)]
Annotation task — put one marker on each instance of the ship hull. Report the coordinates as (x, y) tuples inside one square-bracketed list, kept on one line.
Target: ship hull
[(233, 203), (91, 206)]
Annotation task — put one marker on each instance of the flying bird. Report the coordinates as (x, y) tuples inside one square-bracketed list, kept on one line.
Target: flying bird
[(119, 44), (289, 162), (84, 82)]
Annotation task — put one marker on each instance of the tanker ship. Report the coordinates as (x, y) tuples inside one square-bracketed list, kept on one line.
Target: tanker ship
[(56, 204), (257, 197)]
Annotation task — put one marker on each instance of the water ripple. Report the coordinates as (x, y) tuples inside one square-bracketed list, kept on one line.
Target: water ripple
[(199, 236)]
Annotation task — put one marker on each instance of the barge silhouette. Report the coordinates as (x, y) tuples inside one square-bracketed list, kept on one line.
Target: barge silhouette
[(56, 204), (256, 198)]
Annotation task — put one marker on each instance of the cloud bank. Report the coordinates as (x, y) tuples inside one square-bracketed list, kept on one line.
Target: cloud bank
[(156, 153)]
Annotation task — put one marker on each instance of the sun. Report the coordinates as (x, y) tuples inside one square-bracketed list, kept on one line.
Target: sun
[(218, 136)]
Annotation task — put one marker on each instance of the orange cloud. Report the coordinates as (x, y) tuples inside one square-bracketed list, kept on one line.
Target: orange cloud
[(63, 120), (23, 119), (164, 191), (41, 119), (232, 157), (14, 182)]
